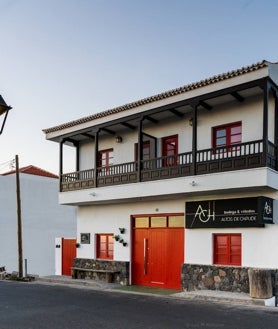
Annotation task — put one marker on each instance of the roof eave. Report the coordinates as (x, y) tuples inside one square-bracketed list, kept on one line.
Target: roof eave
[(219, 82)]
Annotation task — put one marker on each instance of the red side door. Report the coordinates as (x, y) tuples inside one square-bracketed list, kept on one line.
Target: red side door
[(68, 255)]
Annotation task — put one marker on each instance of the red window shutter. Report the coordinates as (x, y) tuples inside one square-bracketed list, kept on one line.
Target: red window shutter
[(105, 246), (227, 135), (235, 249), (220, 249), (227, 249)]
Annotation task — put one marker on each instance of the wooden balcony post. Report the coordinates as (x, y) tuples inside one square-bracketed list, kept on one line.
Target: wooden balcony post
[(194, 139), (275, 94), (265, 121), (61, 162), (77, 164), (140, 148), (96, 157)]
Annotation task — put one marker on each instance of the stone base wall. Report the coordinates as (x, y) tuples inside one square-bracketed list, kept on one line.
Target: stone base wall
[(225, 278), (121, 277)]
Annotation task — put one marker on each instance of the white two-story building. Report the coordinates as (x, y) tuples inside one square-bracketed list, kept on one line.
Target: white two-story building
[(180, 189)]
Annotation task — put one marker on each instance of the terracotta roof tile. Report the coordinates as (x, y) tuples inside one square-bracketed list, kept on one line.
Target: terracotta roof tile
[(32, 170), (167, 94)]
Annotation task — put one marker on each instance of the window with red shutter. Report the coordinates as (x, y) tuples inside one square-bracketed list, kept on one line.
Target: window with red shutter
[(227, 135), (227, 249), (105, 246)]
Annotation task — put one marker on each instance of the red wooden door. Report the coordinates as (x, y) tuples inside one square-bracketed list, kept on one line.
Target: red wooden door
[(170, 150), (157, 251), (68, 254), (175, 257), (157, 257), (140, 257)]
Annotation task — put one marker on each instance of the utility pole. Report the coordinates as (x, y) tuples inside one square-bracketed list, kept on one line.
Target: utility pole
[(19, 226)]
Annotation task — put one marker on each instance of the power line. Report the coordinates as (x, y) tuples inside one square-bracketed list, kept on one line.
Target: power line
[(8, 164)]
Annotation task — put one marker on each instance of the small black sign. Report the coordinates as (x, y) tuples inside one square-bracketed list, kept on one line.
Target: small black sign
[(85, 238), (244, 212)]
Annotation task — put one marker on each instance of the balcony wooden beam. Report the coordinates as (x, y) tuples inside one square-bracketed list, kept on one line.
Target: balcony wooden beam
[(147, 117), (206, 105), (128, 125), (177, 113), (237, 96), (109, 131)]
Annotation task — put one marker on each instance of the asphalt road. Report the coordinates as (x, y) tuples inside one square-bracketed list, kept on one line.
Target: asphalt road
[(39, 306)]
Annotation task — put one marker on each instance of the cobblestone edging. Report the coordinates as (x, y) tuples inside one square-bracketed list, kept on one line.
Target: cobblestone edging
[(198, 277), (121, 277)]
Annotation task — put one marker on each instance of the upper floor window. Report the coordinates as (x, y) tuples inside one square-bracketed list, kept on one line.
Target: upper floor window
[(105, 158), (227, 135), (105, 246), (146, 151), (170, 150)]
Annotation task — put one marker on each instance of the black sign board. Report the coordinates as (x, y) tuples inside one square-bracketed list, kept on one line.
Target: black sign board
[(244, 212), (85, 238)]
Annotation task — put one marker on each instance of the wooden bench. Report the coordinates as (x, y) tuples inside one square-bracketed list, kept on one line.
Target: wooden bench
[(109, 274)]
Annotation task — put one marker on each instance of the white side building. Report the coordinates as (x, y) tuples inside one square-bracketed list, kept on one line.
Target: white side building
[(43, 219)]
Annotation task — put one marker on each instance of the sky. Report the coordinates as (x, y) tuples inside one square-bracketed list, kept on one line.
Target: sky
[(61, 60)]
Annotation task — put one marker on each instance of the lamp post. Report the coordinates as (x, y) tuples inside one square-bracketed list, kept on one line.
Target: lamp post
[(4, 111)]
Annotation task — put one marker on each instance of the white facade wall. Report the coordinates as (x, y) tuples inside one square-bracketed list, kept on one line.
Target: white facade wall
[(43, 219), (108, 219), (249, 113), (259, 245)]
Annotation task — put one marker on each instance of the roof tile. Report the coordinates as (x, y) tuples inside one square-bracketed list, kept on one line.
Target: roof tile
[(167, 94), (32, 170)]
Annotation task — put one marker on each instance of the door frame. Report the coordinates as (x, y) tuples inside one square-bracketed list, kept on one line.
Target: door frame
[(169, 240)]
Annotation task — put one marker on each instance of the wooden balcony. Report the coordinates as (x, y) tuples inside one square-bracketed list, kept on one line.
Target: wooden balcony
[(237, 157)]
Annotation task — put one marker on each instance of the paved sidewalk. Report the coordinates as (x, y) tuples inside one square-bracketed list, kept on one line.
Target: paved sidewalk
[(205, 295)]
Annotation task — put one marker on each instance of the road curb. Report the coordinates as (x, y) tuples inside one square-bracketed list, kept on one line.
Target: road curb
[(205, 295)]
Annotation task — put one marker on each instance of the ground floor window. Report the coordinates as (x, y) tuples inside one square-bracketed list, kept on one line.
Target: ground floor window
[(105, 246), (227, 249)]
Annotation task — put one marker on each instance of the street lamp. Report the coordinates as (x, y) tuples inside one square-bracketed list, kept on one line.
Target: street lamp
[(4, 110)]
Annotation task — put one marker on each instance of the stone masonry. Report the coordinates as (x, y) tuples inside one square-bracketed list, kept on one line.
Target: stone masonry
[(224, 278), (198, 277), (122, 276)]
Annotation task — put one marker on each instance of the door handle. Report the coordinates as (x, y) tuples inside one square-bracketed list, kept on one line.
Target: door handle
[(145, 255)]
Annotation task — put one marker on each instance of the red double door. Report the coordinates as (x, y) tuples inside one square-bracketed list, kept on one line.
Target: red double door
[(158, 254)]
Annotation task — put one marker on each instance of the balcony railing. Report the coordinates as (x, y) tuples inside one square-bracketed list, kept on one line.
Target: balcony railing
[(220, 159)]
